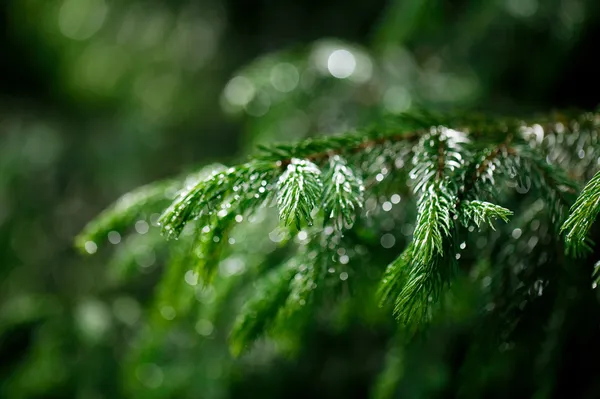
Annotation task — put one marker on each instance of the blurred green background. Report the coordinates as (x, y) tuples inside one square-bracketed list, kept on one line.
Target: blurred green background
[(98, 97)]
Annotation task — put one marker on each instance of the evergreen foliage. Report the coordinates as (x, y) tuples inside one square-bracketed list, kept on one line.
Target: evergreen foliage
[(582, 216), (462, 169)]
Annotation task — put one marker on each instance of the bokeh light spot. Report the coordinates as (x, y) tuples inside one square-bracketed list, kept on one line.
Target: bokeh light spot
[(239, 91), (285, 77), (81, 19), (341, 64)]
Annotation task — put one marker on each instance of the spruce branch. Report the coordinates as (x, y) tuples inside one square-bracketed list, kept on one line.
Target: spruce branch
[(299, 191), (217, 194), (127, 209), (269, 294), (433, 223), (422, 289), (482, 212), (438, 157), (582, 215), (556, 186), (456, 165), (395, 276), (343, 193)]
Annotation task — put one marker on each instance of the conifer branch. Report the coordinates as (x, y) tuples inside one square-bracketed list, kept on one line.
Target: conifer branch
[(482, 212), (218, 194), (298, 191), (456, 166), (343, 194), (269, 293), (582, 215), (127, 209)]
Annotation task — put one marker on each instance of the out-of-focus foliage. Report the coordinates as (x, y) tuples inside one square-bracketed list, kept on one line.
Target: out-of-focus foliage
[(99, 97)]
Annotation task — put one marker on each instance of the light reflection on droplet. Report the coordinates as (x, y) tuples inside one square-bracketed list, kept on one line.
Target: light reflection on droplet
[(344, 259), (343, 276), (386, 206), (516, 233), (395, 199)]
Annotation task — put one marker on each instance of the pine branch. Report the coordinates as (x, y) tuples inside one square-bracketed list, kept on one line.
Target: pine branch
[(582, 215)]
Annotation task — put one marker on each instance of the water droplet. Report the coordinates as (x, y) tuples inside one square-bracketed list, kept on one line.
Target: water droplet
[(343, 276)]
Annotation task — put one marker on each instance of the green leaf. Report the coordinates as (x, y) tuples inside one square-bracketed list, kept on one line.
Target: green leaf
[(299, 190)]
